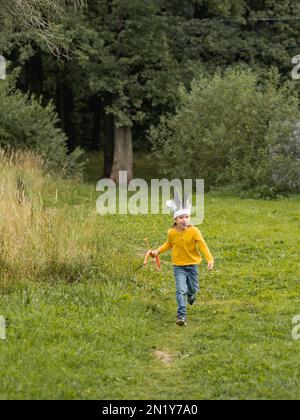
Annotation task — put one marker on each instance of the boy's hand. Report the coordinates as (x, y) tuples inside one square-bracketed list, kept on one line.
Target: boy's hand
[(210, 266), (154, 253)]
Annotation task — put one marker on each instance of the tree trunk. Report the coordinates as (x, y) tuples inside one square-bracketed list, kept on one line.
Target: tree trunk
[(95, 109), (109, 140), (65, 108), (123, 155), (34, 75)]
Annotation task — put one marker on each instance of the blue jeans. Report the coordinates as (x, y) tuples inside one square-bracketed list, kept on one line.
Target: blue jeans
[(187, 283)]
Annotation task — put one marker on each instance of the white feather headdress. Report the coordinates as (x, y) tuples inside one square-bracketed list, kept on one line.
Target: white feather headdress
[(178, 207)]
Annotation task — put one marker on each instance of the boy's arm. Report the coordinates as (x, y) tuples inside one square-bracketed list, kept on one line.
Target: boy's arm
[(204, 248), (164, 247)]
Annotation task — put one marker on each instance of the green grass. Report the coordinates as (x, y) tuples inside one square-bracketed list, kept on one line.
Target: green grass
[(87, 326)]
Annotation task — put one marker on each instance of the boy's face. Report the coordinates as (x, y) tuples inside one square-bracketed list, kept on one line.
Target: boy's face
[(183, 221)]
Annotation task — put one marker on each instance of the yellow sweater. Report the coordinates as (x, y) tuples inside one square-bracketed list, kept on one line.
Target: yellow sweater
[(183, 244)]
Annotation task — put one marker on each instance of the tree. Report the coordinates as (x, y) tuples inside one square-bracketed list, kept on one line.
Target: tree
[(129, 57), (41, 18), (230, 129), (124, 51), (220, 33)]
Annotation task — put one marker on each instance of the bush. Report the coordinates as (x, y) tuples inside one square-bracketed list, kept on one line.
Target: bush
[(25, 123), (231, 129)]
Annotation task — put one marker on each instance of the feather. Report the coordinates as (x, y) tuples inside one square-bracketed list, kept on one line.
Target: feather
[(187, 202), (178, 201), (171, 205)]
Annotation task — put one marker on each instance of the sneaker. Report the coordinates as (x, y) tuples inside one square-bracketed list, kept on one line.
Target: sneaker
[(181, 321), (191, 299)]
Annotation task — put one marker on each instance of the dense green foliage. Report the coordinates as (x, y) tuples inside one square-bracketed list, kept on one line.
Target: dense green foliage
[(126, 59), (36, 19), (231, 129), (25, 123)]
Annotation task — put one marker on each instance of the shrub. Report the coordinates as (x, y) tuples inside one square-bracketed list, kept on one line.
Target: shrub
[(26, 124), (231, 129)]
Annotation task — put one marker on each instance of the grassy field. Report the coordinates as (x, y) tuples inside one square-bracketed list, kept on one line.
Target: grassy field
[(86, 321)]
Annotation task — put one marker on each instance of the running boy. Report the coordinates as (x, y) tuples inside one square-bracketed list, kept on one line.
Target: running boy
[(184, 238)]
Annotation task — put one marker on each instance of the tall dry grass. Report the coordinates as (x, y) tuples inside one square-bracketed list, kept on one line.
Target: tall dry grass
[(39, 242)]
